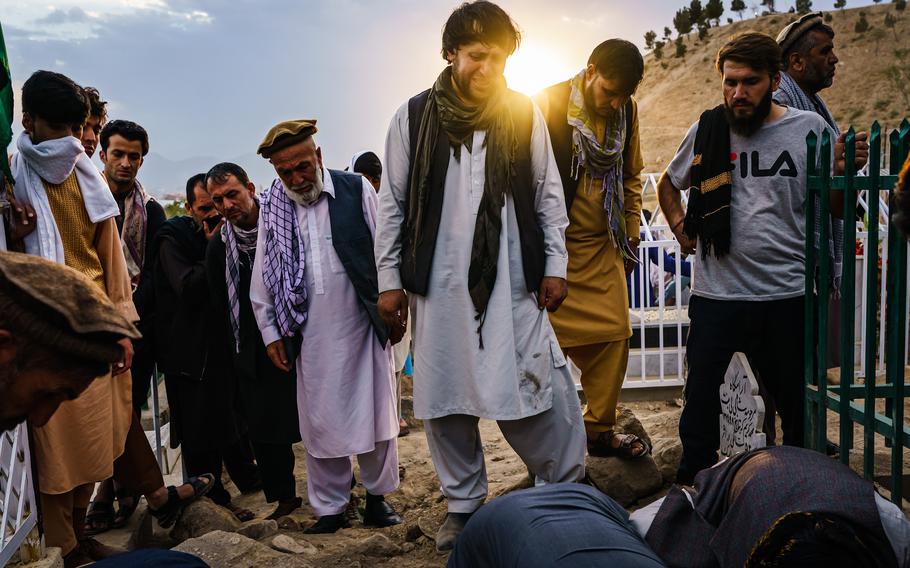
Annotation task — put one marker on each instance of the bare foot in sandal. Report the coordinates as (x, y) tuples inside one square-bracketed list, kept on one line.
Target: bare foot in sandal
[(242, 515), (611, 444)]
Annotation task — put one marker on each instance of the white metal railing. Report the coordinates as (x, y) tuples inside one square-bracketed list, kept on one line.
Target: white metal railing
[(18, 513)]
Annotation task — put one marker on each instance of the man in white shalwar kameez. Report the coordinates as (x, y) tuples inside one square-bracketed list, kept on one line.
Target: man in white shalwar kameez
[(472, 223), (314, 294)]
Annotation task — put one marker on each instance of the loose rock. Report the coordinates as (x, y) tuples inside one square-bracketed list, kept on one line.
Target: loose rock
[(260, 529), (201, 517), (626, 481), (232, 550), (285, 543), (377, 545)]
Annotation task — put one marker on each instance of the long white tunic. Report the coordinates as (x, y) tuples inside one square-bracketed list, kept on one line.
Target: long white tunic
[(511, 377), (345, 385)]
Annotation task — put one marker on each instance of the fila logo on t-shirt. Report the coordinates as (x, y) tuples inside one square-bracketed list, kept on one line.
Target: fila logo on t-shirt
[(750, 163)]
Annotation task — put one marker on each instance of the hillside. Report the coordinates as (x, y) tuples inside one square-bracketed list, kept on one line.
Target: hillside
[(675, 91)]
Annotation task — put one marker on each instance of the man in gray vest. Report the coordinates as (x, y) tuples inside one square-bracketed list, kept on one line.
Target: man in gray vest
[(313, 292), (472, 224)]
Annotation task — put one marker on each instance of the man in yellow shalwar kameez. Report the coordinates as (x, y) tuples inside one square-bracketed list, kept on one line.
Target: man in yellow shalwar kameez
[(593, 125)]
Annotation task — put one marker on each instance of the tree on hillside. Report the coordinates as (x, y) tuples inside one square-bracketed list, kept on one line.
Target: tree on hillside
[(877, 35), (658, 51), (877, 1), (900, 5), (649, 39), (828, 17), (702, 31), (738, 6), (769, 4), (680, 47), (667, 32), (862, 24), (714, 9), (840, 4), (891, 22), (803, 6), (682, 22), (696, 13)]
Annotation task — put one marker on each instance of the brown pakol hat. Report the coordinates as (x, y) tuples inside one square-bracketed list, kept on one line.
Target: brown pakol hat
[(61, 308), (286, 134), (797, 29)]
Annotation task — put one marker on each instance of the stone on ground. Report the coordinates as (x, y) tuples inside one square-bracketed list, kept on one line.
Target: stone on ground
[(259, 529), (232, 550), (667, 454), (377, 545), (285, 543), (625, 480), (203, 516)]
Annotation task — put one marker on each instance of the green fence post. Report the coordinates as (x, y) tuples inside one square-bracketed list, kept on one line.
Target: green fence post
[(809, 305), (848, 298), (823, 284), (872, 287)]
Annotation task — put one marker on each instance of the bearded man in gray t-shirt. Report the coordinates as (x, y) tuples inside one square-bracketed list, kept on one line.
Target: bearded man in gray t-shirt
[(745, 165)]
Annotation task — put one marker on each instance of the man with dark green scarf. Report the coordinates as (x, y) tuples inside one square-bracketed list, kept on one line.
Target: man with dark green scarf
[(472, 224)]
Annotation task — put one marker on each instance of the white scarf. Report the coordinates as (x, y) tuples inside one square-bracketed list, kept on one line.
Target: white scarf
[(53, 161)]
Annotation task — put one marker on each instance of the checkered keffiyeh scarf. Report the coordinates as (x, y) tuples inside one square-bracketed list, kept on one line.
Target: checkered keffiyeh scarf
[(236, 241), (285, 259), (603, 162)]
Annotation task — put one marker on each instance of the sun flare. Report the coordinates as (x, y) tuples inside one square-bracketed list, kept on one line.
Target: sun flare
[(534, 68)]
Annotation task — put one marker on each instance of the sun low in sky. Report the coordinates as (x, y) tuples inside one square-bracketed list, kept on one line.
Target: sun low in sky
[(535, 67)]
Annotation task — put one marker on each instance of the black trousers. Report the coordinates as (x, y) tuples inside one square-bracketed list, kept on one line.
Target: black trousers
[(237, 458), (276, 466), (771, 335), (142, 369)]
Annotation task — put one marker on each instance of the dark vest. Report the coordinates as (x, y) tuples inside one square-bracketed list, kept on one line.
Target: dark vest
[(739, 500), (353, 243), (416, 265), (561, 135)]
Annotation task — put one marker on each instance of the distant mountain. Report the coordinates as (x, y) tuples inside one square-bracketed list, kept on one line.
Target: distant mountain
[(162, 176)]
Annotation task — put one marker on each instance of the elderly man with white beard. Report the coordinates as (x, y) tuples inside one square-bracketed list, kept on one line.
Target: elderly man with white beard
[(314, 291)]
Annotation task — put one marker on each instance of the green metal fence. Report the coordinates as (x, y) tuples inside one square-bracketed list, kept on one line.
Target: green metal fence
[(851, 402)]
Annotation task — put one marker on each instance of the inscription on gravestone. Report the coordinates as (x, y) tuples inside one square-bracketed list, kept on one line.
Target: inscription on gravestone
[(742, 409)]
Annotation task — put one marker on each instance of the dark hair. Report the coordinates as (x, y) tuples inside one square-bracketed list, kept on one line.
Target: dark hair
[(901, 215), (368, 164), (127, 129), (220, 173), (479, 21), (806, 42), (55, 98), (619, 60), (191, 187), (757, 50), (818, 539), (97, 107)]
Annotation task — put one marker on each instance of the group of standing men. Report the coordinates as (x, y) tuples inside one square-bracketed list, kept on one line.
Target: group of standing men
[(514, 223)]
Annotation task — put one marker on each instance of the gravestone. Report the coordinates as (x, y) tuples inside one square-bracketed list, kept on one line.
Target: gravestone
[(742, 409)]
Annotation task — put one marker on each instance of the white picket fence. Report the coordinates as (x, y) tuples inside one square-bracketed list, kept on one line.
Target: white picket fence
[(18, 512)]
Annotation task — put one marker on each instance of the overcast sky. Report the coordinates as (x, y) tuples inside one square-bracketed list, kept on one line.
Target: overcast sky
[(208, 78)]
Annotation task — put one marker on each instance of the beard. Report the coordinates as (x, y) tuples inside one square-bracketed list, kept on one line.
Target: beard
[(749, 125), (308, 196), (816, 81)]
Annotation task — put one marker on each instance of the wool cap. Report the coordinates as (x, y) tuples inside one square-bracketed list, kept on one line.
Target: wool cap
[(57, 306), (797, 29), (286, 134)]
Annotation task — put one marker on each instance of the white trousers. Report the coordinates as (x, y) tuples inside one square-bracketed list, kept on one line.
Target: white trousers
[(329, 479), (552, 444)]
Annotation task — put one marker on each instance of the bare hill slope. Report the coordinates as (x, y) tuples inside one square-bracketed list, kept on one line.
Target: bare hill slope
[(675, 91)]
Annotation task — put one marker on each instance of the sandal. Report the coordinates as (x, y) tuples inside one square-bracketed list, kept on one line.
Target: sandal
[(168, 513), (99, 518), (127, 501), (602, 446)]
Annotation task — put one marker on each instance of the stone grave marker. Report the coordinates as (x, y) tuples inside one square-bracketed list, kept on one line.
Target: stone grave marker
[(742, 409)]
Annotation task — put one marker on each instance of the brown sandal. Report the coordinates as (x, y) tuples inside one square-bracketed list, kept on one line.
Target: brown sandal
[(602, 446)]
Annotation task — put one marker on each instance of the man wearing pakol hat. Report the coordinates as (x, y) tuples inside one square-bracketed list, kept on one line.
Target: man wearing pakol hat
[(73, 225), (472, 224), (744, 164), (314, 296), (809, 65)]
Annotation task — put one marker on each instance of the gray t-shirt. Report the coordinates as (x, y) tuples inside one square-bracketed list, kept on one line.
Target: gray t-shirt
[(767, 212)]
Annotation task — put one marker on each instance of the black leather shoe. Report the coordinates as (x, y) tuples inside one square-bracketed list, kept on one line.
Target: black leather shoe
[(329, 524), (378, 513)]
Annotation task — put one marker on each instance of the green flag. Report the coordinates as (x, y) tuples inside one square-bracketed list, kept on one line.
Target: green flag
[(6, 110)]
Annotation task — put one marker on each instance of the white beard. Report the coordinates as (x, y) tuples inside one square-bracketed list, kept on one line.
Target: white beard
[(309, 197)]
